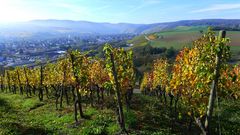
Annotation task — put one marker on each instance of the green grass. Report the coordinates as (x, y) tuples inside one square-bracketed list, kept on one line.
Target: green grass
[(147, 116), (138, 41), (175, 45), (171, 38), (183, 30), (21, 115), (183, 36), (229, 117)]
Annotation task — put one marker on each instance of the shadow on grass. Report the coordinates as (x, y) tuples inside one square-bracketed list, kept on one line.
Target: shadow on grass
[(228, 119), (5, 106), (154, 117), (36, 106), (16, 128)]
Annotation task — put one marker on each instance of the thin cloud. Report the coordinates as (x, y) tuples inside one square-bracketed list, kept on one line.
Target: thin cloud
[(136, 8), (152, 1), (102, 8), (74, 8), (80, 9), (145, 3), (218, 7)]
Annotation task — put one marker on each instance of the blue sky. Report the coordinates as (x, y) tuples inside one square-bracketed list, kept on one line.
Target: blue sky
[(115, 11)]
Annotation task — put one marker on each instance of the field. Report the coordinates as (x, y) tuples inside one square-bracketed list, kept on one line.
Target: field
[(22, 116), (181, 37)]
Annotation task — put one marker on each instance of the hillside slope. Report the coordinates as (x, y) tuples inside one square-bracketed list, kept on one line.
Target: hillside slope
[(179, 37), (60, 27)]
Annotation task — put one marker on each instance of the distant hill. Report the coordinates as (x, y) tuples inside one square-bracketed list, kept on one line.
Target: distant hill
[(55, 28), (220, 23)]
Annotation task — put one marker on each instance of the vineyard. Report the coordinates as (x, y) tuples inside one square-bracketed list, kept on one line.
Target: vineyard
[(190, 91)]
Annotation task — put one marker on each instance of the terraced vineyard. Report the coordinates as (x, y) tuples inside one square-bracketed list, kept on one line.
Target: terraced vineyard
[(80, 94)]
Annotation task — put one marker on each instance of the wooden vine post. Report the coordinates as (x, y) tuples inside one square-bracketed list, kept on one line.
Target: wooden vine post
[(120, 109), (40, 94), (214, 87), (78, 100)]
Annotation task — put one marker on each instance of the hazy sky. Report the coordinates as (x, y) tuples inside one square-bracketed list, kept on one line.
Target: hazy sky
[(131, 11)]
